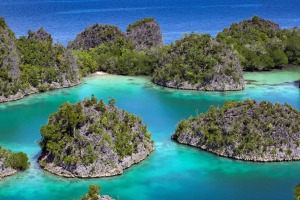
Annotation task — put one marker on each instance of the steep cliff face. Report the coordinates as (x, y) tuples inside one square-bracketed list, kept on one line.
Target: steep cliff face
[(91, 139), (32, 64), (249, 130), (9, 61), (40, 36), (145, 34), (199, 62), (95, 35)]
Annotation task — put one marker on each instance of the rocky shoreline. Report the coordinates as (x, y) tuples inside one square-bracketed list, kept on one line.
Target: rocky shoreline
[(242, 158), (213, 87), (11, 163), (5, 172), (127, 162), (32, 90), (249, 131)]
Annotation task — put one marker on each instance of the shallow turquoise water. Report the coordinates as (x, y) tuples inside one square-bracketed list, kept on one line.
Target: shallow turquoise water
[(173, 171)]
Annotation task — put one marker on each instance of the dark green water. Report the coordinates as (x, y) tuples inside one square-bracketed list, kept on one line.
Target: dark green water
[(173, 171)]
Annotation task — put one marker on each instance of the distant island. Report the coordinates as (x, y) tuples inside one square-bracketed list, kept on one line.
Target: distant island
[(33, 63), (91, 139), (249, 130), (12, 163)]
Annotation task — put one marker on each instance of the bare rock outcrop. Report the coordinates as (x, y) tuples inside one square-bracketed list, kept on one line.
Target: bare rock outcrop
[(145, 34), (94, 36)]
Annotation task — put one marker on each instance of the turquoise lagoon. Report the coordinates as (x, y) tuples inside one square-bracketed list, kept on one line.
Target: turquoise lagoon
[(173, 171)]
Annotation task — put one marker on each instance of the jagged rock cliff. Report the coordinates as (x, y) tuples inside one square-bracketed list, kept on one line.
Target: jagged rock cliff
[(9, 61), (33, 64), (41, 35), (91, 139), (199, 62), (145, 34), (249, 130), (95, 35)]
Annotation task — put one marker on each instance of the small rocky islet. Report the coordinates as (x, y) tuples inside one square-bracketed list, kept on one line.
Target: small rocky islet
[(91, 139), (11, 162), (94, 194), (249, 130)]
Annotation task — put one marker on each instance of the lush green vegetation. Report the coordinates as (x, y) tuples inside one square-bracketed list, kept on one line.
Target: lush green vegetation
[(17, 161), (79, 133), (139, 23), (118, 57), (246, 130), (93, 193), (43, 63), (33, 62), (297, 192), (197, 59), (262, 45), (9, 60)]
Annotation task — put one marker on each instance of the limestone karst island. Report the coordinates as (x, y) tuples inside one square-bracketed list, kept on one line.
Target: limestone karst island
[(103, 100)]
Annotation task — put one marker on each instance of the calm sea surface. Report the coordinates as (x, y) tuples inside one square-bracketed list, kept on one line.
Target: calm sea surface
[(173, 171), (64, 19)]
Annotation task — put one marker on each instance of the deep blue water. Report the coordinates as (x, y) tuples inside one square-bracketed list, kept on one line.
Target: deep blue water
[(64, 19)]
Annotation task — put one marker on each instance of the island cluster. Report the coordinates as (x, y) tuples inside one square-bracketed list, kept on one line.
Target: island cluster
[(92, 139)]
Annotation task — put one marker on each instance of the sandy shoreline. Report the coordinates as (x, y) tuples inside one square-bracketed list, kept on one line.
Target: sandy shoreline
[(99, 73)]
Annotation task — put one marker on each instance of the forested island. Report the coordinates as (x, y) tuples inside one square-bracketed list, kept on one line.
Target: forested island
[(33, 63), (199, 62), (249, 130), (11, 163), (262, 45), (92, 139)]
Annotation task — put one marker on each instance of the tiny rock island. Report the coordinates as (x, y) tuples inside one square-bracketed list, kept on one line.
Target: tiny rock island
[(92, 139), (249, 130), (11, 163)]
